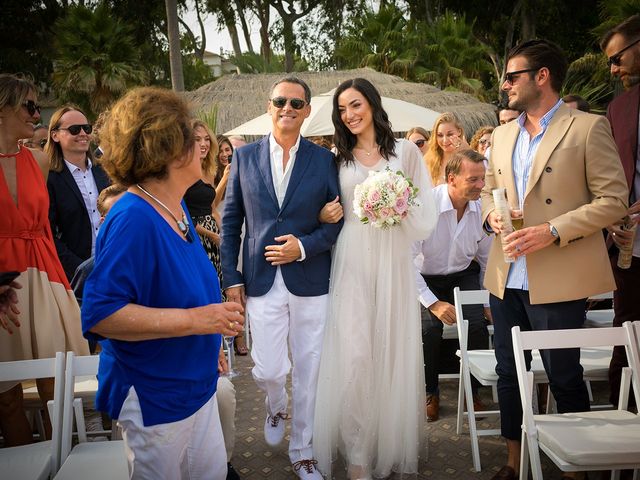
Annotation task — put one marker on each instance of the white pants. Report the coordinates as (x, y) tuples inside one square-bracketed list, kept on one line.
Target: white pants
[(190, 449), (226, 398), (275, 317)]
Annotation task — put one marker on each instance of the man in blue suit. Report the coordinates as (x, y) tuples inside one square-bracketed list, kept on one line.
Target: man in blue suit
[(278, 185)]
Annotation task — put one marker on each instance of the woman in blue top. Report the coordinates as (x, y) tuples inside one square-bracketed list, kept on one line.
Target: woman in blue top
[(153, 299)]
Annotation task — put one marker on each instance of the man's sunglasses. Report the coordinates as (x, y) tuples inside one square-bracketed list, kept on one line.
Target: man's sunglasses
[(296, 103), (32, 107), (615, 59), (510, 77), (420, 143), (40, 144), (75, 129)]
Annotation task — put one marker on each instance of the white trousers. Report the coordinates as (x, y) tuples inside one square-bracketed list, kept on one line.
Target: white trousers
[(190, 449), (275, 318), (226, 398)]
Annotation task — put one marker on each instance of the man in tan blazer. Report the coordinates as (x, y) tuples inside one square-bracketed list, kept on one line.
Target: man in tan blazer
[(561, 168)]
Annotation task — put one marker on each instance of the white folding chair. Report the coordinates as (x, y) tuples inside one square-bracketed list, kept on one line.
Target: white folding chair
[(96, 460), (482, 365), (585, 441), (39, 460), (599, 318)]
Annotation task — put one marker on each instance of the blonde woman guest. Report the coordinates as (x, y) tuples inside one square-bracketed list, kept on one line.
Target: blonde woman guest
[(447, 137), (481, 140), (200, 197), (420, 137), (48, 320), (150, 301), (370, 398)]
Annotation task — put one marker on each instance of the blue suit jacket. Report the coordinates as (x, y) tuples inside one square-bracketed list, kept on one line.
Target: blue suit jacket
[(251, 196)]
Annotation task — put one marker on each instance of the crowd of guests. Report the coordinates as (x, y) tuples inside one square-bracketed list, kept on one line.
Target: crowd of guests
[(175, 237)]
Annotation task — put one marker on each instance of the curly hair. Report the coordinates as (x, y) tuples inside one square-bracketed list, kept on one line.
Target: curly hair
[(435, 156), (343, 139), (478, 135), (148, 129), (210, 161)]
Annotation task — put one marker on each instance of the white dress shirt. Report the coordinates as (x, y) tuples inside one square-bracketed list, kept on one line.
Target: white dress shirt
[(452, 245), (89, 191), (281, 175)]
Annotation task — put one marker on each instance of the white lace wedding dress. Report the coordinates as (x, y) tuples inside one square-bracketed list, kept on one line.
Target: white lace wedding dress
[(370, 400)]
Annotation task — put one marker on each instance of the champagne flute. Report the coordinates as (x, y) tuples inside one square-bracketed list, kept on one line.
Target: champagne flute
[(228, 342)]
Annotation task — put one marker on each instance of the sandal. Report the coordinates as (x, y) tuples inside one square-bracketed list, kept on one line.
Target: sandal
[(239, 346)]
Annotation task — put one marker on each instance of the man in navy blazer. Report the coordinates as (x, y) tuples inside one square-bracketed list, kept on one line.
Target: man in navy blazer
[(277, 187), (621, 45), (74, 183)]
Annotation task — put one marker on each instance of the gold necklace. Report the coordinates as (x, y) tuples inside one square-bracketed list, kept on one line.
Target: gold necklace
[(368, 153), (183, 224)]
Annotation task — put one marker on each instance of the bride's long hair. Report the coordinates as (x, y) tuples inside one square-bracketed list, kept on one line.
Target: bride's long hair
[(344, 140)]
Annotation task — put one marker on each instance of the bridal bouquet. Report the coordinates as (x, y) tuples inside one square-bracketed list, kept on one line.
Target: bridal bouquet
[(384, 198)]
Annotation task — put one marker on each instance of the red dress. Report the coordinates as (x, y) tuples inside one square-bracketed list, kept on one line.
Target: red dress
[(49, 314)]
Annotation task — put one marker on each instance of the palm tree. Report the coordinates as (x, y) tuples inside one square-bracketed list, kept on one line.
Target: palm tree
[(96, 60)]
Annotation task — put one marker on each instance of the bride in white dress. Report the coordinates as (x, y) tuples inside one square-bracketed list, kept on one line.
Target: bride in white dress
[(371, 394)]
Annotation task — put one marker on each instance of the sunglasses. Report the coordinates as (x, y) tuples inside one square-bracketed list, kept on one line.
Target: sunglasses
[(420, 143), (40, 144), (296, 103), (75, 129), (510, 77), (615, 59), (485, 142), (32, 107)]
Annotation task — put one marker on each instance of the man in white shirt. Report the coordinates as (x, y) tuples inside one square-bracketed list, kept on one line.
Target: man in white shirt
[(455, 255), (277, 187)]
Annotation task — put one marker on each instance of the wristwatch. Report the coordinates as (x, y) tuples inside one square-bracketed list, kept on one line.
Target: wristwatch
[(554, 232)]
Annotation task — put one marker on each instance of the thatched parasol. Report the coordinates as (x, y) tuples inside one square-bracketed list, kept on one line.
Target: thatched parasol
[(239, 98)]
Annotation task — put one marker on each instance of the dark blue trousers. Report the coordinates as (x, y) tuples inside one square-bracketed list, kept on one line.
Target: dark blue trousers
[(562, 365)]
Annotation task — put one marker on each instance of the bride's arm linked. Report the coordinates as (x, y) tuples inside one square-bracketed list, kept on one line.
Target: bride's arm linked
[(422, 217)]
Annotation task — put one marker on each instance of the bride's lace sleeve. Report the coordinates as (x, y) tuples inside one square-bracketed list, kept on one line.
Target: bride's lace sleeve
[(422, 217)]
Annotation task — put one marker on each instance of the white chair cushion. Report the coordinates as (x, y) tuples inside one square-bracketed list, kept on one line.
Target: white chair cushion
[(97, 461), (26, 462), (599, 318), (592, 438), (482, 365), (595, 362)]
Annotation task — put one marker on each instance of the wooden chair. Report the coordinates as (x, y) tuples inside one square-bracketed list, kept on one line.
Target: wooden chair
[(586, 441), (96, 460), (38, 460)]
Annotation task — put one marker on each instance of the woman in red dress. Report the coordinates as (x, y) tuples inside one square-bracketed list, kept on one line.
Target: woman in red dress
[(49, 318)]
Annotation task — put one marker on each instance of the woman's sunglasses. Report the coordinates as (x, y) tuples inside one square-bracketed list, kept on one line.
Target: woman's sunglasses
[(420, 143), (32, 107), (75, 129), (296, 103)]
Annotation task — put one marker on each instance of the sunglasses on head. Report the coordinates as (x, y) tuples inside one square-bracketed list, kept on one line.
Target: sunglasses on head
[(420, 143), (510, 77), (31, 106), (296, 103), (75, 129), (616, 58)]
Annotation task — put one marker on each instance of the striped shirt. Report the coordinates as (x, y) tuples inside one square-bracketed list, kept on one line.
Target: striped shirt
[(522, 159)]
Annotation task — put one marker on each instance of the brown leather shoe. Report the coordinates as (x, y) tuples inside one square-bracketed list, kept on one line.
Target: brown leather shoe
[(478, 406), (433, 407), (505, 473)]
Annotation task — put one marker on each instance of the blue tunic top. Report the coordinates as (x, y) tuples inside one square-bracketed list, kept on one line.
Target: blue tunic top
[(141, 260)]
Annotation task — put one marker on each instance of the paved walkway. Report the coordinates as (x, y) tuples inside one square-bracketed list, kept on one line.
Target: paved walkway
[(449, 455)]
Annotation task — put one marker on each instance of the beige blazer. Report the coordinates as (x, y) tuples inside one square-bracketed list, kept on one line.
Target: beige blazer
[(576, 184)]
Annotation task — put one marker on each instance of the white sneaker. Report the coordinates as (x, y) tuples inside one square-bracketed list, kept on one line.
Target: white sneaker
[(307, 469), (274, 427)]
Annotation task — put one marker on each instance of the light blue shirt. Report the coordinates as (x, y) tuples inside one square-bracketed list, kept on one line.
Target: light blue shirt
[(523, 155)]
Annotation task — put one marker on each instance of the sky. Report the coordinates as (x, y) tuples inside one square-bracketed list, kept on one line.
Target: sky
[(217, 40)]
